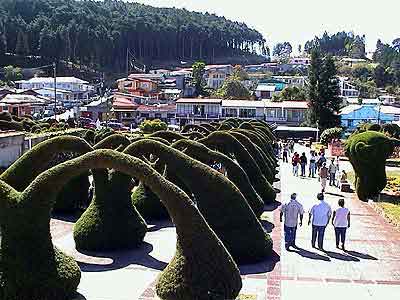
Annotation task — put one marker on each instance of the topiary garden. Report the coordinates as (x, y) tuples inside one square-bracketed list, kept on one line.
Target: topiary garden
[(167, 174)]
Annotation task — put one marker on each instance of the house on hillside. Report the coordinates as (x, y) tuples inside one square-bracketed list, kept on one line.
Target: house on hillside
[(354, 114), (79, 89), (265, 91), (163, 112), (290, 81), (243, 109), (215, 75), (20, 105), (347, 90), (190, 110), (142, 87), (291, 113)]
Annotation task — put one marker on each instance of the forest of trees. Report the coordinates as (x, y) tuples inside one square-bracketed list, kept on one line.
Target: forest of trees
[(338, 44), (98, 33)]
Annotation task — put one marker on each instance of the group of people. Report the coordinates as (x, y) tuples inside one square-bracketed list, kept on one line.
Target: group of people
[(319, 217), (317, 165)]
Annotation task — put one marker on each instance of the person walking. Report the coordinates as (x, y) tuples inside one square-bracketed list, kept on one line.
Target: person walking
[(341, 221), (320, 215), (323, 175), (303, 163), (332, 173), (292, 212), (312, 166), (285, 153), (295, 164)]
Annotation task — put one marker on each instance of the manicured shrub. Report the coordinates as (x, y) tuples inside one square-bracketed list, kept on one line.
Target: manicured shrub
[(151, 126), (367, 153), (33, 269), (219, 200), (391, 129), (234, 172), (170, 136), (148, 204), (225, 126), (193, 135), (11, 125), (230, 146), (5, 116), (208, 126), (193, 127)]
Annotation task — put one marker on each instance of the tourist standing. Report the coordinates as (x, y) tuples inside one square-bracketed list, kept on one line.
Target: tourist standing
[(323, 175), (303, 163), (312, 165), (320, 215), (332, 173), (341, 221), (295, 164), (291, 211)]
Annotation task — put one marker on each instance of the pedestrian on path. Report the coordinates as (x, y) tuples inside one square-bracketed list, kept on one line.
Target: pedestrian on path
[(303, 163), (341, 221), (291, 212), (312, 165), (320, 215), (285, 153), (332, 173), (295, 164), (323, 175)]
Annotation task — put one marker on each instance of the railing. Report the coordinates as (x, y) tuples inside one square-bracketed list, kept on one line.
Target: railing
[(276, 119), (198, 116)]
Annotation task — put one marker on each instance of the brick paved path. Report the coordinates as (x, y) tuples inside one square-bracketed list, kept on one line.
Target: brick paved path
[(369, 269)]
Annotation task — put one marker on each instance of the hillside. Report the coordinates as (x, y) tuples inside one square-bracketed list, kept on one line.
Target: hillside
[(98, 33)]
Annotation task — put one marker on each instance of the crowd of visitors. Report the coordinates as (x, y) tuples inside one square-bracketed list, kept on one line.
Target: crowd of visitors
[(321, 213)]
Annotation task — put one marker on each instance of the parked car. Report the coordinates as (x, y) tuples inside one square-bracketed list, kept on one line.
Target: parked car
[(114, 125)]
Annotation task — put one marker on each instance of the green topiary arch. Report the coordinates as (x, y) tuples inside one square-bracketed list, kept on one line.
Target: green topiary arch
[(219, 200), (194, 127), (170, 136), (229, 145), (234, 172), (32, 268), (367, 153)]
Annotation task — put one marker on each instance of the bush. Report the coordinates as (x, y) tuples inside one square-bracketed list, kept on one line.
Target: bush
[(328, 135), (367, 153), (148, 204), (151, 126), (218, 199)]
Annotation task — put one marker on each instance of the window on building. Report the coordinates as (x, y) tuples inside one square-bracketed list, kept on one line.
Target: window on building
[(349, 123), (247, 113)]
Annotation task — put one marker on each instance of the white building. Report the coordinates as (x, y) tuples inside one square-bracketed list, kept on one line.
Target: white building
[(215, 75), (305, 61), (78, 88), (299, 81), (347, 90), (265, 91)]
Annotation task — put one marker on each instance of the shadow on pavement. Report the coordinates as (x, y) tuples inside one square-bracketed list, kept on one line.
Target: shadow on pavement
[(334, 194), (308, 254), (340, 256), (268, 226), (72, 218), (157, 225), (264, 266), (122, 259), (78, 296), (360, 255), (272, 206)]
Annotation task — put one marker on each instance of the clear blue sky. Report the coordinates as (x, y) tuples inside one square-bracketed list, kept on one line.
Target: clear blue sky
[(297, 21)]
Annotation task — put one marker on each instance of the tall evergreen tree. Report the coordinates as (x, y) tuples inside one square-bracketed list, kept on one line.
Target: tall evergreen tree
[(324, 100)]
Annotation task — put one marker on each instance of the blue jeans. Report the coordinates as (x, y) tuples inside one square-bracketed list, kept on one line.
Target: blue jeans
[(290, 236), (340, 234), (303, 169), (312, 169), (320, 232), (332, 179)]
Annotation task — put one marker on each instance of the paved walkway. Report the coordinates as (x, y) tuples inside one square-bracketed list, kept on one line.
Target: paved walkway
[(370, 269)]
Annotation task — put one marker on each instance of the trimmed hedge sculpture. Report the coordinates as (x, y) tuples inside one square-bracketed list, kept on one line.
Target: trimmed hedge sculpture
[(170, 136), (110, 222), (229, 145), (367, 153), (32, 268), (234, 172), (194, 127), (219, 200)]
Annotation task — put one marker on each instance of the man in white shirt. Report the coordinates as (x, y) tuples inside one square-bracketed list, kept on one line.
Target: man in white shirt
[(332, 173), (291, 211), (320, 214), (341, 221)]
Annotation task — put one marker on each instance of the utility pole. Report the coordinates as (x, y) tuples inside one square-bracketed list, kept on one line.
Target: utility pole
[(317, 131), (55, 90), (379, 113), (127, 62)]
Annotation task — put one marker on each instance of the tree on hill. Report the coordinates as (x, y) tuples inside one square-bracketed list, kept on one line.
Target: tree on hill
[(324, 102), (233, 89), (291, 93), (100, 32), (198, 78), (282, 50)]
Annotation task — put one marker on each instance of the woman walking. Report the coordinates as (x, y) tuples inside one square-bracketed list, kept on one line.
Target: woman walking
[(341, 221)]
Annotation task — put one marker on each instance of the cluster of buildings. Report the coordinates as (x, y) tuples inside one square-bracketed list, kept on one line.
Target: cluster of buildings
[(169, 95)]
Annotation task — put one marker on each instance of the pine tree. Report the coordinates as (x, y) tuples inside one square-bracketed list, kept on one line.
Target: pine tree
[(324, 101)]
